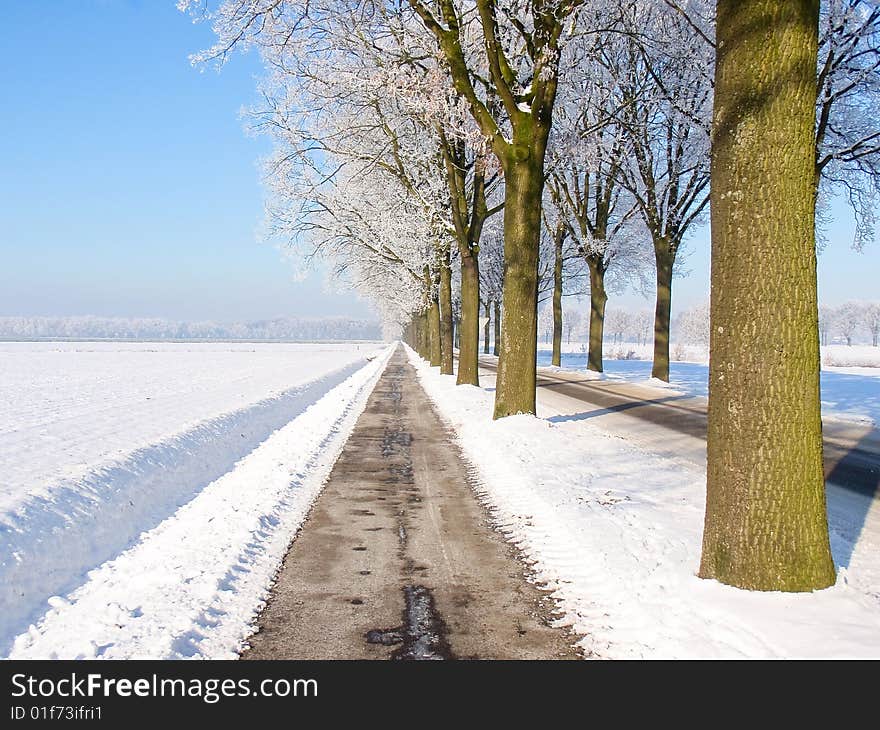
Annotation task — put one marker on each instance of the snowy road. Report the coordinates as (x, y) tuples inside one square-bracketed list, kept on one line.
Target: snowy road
[(852, 449), (396, 559)]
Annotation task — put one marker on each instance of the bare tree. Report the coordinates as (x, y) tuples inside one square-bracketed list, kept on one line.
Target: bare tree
[(848, 319), (871, 320), (664, 93)]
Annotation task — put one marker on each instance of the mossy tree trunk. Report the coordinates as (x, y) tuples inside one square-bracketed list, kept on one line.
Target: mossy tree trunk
[(487, 314), (469, 348), (446, 329), (524, 180), (558, 240), (497, 324), (424, 335), (433, 315), (766, 526), (468, 216), (434, 332), (664, 259), (598, 299)]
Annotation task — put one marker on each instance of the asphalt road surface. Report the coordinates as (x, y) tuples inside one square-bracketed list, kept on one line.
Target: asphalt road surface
[(398, 560), (675, 424)]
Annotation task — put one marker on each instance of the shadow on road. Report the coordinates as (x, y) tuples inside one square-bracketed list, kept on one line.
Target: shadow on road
[(618, 408), (853, 483)]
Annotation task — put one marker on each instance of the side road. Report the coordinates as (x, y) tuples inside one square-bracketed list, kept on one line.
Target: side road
[(675, 425), (397, 559)]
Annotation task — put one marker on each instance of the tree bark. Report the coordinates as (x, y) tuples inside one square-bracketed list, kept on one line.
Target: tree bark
[(662, 310), (469, 349), (487, 312), (434, 331), (766, 525), (424, 335), (557, 299), (497, 328), (598, 299), (524, 180), (446, 359)]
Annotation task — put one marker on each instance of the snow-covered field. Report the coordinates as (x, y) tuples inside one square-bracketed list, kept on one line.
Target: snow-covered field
[(149, 490), (615, 530), (848, 392)]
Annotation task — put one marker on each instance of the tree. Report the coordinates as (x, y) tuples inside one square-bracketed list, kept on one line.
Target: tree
[(871, 320), (618, 323), (826, 323), (848, 109), (556, 238), (545, 323), (515, 59), (662, 78), (492, 276), (643, 322), (693, 325), (574, 322), (585, 161), (766, 526), (848, 318)]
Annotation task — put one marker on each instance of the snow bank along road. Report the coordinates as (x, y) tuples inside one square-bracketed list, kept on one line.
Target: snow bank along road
[(396, 559), (149, 491), (608, 509), (675, 424)]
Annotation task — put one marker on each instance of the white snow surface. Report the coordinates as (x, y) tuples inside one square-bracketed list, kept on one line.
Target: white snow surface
[(615, 531), (153, 528), (70, 408)]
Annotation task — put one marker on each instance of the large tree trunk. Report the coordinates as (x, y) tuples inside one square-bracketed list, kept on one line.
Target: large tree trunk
[(434, 331), (524, 180), (598, 299), (662, 311), (445, 314), (557, 300), (497, 328), (487, 313), (469, 349), (766, 525)]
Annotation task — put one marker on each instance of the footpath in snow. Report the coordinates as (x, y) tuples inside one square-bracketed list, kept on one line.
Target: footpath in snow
[(615, 530), (167, 549)]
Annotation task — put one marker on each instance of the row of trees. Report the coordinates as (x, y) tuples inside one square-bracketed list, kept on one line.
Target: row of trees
[(622, 325), (154, 328), (421, 143), (850, 320)]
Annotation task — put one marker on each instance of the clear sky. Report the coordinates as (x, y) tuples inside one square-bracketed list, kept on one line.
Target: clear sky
[(128, 187), (127, 184)]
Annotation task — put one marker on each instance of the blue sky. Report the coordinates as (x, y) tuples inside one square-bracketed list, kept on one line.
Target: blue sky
[(129, 188), (128, 185), (844, 274)]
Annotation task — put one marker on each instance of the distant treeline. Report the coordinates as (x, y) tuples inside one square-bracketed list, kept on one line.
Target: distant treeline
[(121, 328)]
